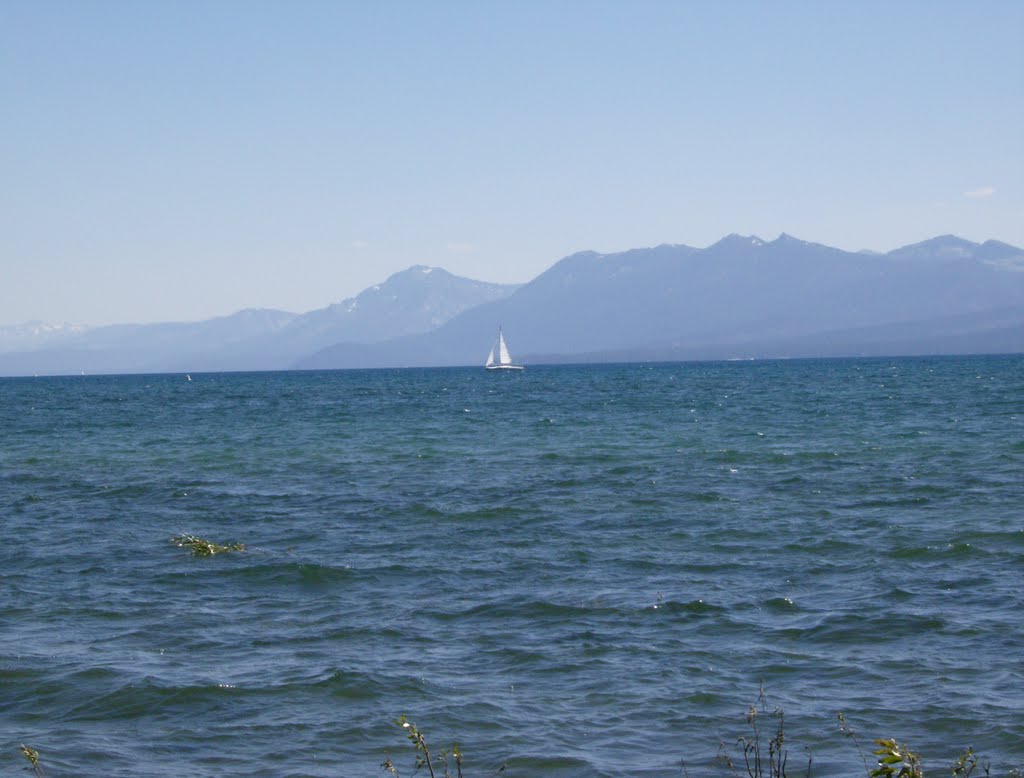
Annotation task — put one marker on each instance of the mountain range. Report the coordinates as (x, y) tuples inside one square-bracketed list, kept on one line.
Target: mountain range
[(742, 297)]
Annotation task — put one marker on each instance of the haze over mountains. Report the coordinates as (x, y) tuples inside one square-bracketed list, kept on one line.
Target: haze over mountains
[(412, 301), (739, 298)]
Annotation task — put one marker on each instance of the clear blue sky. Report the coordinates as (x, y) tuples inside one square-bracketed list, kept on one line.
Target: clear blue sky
[(178, 160)]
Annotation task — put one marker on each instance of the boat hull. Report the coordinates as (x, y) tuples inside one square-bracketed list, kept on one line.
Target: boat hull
[(503, 367)]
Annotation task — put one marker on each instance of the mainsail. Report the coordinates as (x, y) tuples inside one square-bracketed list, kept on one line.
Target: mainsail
[(503, 355)]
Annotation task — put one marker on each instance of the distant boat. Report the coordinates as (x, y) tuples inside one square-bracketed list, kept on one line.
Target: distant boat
[(504, 361)]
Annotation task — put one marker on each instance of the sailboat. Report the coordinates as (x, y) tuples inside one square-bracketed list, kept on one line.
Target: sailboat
[(504, 358)]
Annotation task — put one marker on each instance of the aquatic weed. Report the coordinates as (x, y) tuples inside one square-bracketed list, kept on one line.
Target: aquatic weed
[(892, 755), (33, 757), (202, 547), (756, 761), (423, 757), (851, 733)]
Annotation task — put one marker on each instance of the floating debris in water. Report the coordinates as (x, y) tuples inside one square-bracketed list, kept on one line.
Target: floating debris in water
[(33, 757), (202, 547)]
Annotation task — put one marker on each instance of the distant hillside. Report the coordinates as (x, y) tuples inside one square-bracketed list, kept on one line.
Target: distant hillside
[(36, 334), (993, 332), (412, 301), (743, 295), (144, 348)]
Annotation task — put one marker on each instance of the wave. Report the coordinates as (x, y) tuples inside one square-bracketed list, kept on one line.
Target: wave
[(162, 698), (285, 573), (953, 550), (690, 608)]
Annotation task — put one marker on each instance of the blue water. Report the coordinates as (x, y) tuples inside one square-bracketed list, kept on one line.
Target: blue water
[(571, 571)]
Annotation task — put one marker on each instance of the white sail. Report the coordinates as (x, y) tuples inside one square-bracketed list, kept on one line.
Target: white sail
[(503, 356), (490, 358)]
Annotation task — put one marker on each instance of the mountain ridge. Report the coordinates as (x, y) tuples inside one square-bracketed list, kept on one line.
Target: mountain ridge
[(738, 290), (733, 290)]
